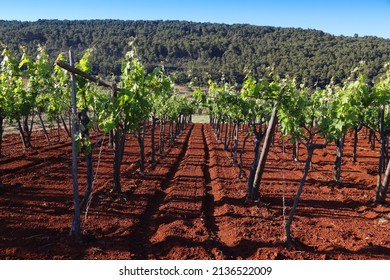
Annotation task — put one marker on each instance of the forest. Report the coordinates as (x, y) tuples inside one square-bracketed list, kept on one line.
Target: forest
[(199, 52)]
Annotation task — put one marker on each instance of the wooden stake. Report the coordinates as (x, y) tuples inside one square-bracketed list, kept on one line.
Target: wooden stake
[(75, 230)]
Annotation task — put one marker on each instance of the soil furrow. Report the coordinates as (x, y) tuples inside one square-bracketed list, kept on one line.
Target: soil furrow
[(139, 239), (208, 205), (180, 230), (180, 224)]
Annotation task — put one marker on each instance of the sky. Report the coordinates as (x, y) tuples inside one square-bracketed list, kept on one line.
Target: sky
[(342, 17)]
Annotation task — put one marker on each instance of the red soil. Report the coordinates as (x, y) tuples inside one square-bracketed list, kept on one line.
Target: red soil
[(190, 206)]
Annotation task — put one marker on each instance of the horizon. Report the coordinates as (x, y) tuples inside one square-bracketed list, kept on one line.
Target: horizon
[(339, 18)]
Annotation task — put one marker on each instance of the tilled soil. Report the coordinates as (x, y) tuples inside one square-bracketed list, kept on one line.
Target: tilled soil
[(190, 205)]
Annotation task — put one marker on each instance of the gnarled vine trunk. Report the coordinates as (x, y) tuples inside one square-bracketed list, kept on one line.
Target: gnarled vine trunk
[(141, 143), (1, 133), (310, 150), (384, 186), (84, 119), (258, 138), (337, 164), (264, 153), (153, 128), (119, 147)]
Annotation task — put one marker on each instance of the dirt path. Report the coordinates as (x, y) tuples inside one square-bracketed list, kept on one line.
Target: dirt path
[(179, 224)]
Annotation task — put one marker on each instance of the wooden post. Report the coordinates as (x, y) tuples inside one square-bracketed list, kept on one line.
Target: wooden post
[(75, 230), (73, 70)]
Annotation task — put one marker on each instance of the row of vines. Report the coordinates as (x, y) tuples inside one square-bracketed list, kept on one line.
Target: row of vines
[(69, 97), (306, 117)]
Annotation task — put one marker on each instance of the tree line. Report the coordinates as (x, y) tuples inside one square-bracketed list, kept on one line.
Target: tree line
[(201, 51)]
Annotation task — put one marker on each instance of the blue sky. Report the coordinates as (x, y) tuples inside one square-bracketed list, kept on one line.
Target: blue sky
[(342, 17)]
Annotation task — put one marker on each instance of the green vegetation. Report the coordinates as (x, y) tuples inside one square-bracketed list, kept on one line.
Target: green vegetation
[(307, 117), (200, 51)]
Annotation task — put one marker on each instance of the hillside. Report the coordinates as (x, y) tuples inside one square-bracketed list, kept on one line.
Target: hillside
[(205, 50)]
